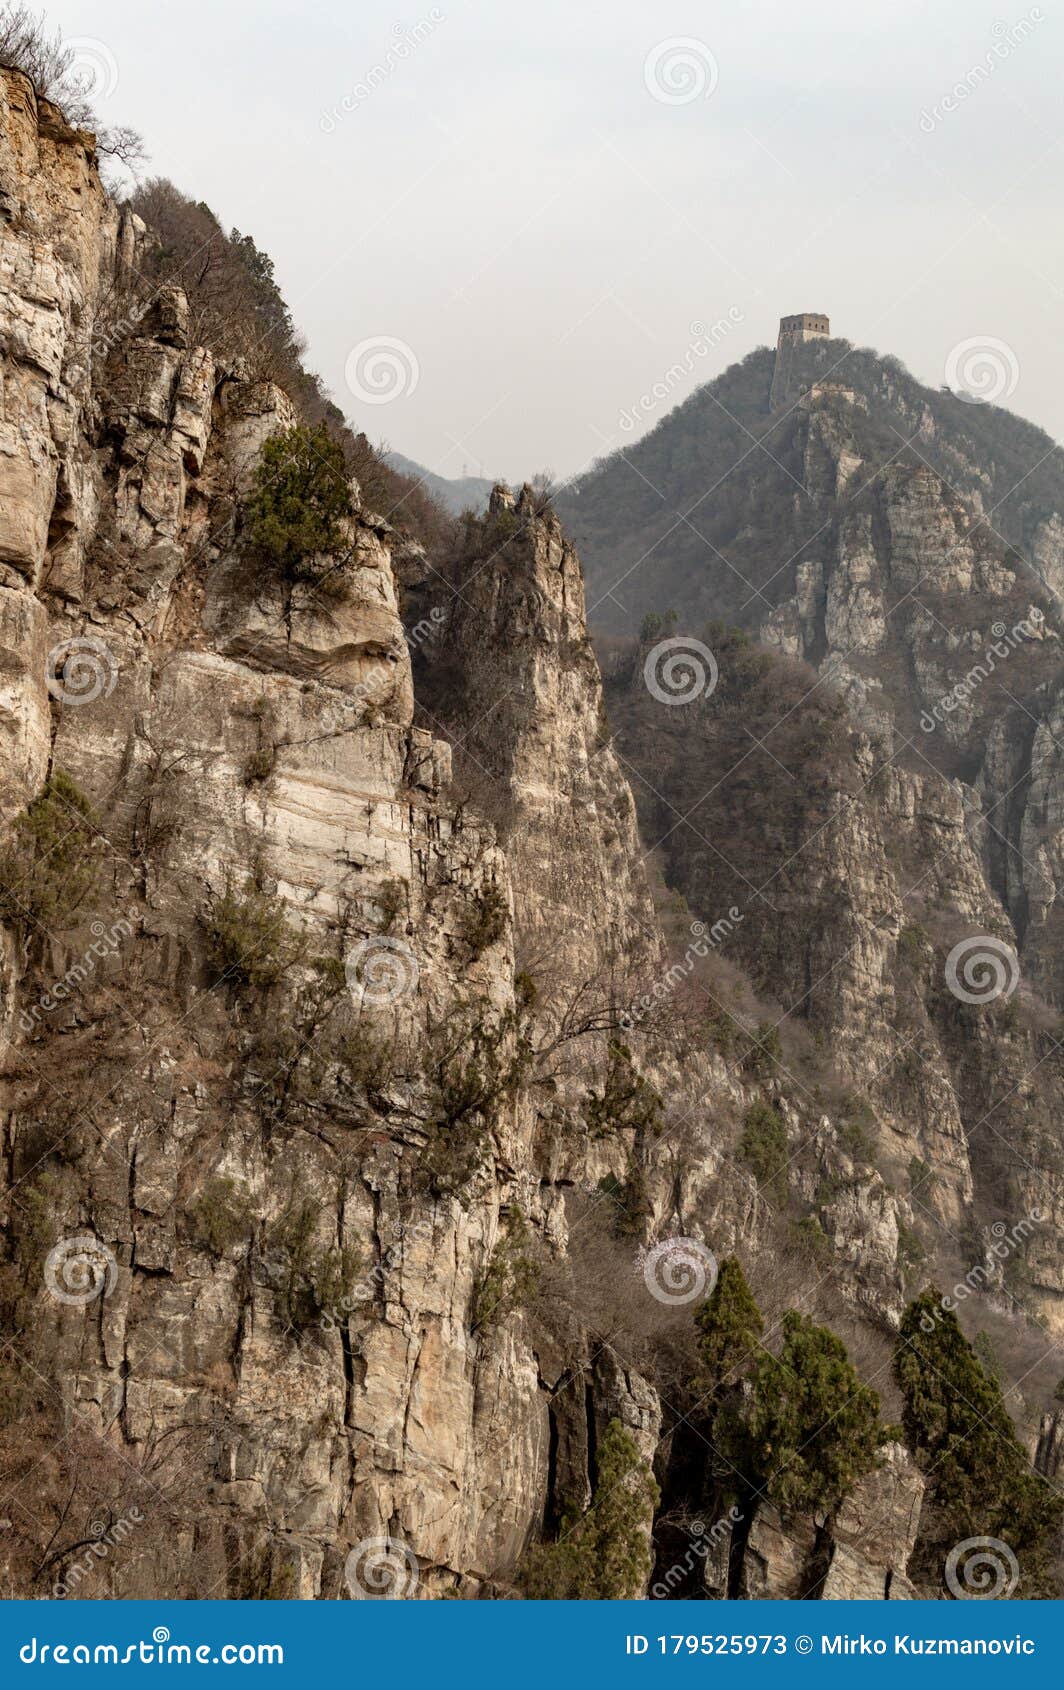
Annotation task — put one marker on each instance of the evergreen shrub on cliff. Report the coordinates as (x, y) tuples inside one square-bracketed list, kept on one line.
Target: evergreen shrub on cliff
[(980, 1480), (603, 1555), (798, 1427), (763, 1147), (299, 504), (815, 1424), (248, 939), (730, 1325), (50, 869)]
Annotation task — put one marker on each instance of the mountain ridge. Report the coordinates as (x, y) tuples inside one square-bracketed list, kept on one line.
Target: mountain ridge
[(456, 494), (641, 519), (388, 1121)]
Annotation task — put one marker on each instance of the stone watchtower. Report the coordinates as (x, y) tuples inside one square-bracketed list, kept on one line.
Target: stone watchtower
[(807, 325)]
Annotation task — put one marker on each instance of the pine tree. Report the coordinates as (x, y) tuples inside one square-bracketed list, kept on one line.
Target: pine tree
[(605, 1555), (813, 1424), (729, 1344), (798, 1428), (299, 502), (730, 1328), (49, 872), (956, 1423)]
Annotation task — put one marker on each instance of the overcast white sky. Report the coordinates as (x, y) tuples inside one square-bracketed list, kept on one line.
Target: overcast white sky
[(515, 205)]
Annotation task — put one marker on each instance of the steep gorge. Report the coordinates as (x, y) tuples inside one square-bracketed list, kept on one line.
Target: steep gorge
[(292, 1171)]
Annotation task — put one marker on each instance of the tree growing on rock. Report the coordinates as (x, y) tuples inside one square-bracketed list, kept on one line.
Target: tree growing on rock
[(979, 1476), (50, 870), (814, 1424), (299, 504), (797, 1428), (730, 1325), (52, 65), (604, 1555)]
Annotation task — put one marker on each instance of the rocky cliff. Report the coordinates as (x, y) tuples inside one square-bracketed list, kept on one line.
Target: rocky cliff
[(371, 1121), (291, 1209), (890, 545)]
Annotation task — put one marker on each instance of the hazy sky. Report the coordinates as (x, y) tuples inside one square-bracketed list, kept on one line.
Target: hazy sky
[(537, 202)]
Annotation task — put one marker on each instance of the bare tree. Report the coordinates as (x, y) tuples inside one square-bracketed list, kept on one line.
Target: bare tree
[(26, 44)]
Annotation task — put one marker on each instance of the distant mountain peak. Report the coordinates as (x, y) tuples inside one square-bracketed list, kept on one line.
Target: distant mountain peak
[(712, 512), (457, 494), (794, 332)]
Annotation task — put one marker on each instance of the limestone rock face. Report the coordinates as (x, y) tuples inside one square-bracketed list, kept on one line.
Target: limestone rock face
[(1047, 549), (355, 1023), (778, 1559), (932, 832), (862, 1555), (1050, 1452), (876, 1529), (919, 585), (24, 713), (536, 729), (231, 736)]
